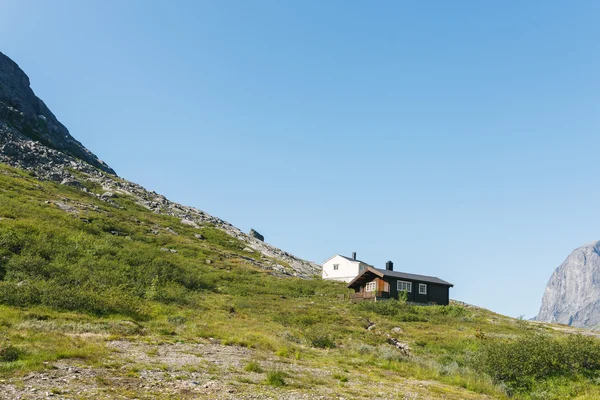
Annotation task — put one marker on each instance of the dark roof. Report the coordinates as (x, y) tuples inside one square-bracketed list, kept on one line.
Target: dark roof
[(414, 277), (402, 275)]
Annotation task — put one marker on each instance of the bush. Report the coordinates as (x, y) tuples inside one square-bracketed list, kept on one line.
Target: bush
[(520, 363), (388, 308), (9, 353), (319, 339), (253, 366), (275, 378)]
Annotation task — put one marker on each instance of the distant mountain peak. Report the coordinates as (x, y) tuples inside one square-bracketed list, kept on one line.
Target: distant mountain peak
[(24, 115), (572, 295)]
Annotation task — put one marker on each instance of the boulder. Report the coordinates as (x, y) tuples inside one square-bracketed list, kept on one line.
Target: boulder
[(256, 235)]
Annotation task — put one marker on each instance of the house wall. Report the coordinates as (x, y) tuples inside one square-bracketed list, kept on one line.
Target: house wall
[(438, 294), (347, 270)]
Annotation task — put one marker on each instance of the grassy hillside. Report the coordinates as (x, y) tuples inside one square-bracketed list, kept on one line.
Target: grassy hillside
[(105, 299)]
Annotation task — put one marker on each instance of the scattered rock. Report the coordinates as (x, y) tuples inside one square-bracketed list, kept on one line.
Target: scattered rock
[(248, 249), (172, 232), (208, 261), (65, 207), (403, 347), (199, 236), (397, 329)]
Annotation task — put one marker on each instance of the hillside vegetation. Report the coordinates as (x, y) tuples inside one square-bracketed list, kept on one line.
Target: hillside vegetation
[(105, 299)]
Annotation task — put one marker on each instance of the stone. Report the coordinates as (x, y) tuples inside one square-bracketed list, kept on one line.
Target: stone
[(256, 235), (199, 236), (65, 207), (188, 222), (397, 329), (248, 249), (403, 347), (572, 295), (72, 182)]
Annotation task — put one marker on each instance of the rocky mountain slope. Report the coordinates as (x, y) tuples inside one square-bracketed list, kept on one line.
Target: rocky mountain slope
[(31, 138), (25, 116), (572, 296)]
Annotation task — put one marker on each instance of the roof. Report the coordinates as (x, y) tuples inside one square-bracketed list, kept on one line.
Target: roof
[(382, 273), (347, 258)]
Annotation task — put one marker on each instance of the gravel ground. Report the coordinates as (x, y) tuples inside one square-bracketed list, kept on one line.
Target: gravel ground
[(137, 370)]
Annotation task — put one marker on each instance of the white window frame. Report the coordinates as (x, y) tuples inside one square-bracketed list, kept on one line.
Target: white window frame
[(422, 288), (404, 286), (371, 287), (336, 267)]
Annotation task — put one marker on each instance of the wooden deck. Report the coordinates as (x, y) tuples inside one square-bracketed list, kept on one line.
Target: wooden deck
[(369, 295)]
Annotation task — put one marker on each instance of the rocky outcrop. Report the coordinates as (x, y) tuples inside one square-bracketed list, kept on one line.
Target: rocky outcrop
[(572, 295), (29, 118), (66, 161), (256, 235)]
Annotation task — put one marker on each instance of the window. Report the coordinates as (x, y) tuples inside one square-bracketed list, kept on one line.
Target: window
[(371, 287), (404, 286), (422, 288), (361, 268), (336, 267)]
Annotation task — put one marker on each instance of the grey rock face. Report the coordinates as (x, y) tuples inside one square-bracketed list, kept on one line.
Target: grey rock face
[(256, 235), (28, 116), (572, 296)]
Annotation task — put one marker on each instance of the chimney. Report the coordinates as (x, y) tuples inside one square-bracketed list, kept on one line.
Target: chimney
[(389, 266), (354, 255)]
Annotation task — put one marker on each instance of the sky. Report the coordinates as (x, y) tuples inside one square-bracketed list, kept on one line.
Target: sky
[(457, 139)]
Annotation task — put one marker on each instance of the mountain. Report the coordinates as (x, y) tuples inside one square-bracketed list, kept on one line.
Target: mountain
[(572, 295), (31, 138), (24, 116)]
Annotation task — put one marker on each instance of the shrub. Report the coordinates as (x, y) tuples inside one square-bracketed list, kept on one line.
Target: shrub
[(388, 308), (520, 363), (275, 378), (9, 353), (319, 339), (253, 366)]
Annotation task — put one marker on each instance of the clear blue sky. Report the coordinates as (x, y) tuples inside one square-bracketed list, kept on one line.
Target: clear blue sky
[(458, 139)]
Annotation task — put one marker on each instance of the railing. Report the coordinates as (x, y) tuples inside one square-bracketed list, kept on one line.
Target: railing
[(369, 295)]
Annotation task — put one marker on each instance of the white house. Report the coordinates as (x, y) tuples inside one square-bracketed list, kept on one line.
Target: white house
[(342, 268)]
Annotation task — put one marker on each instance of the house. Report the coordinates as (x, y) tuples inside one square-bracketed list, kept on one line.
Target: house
[(342, 268), (376, 284)]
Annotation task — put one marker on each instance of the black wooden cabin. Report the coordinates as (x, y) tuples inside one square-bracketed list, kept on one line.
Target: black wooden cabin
[(377, 284)]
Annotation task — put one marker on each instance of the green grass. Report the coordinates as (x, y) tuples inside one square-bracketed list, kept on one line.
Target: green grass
[(71, 282)]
